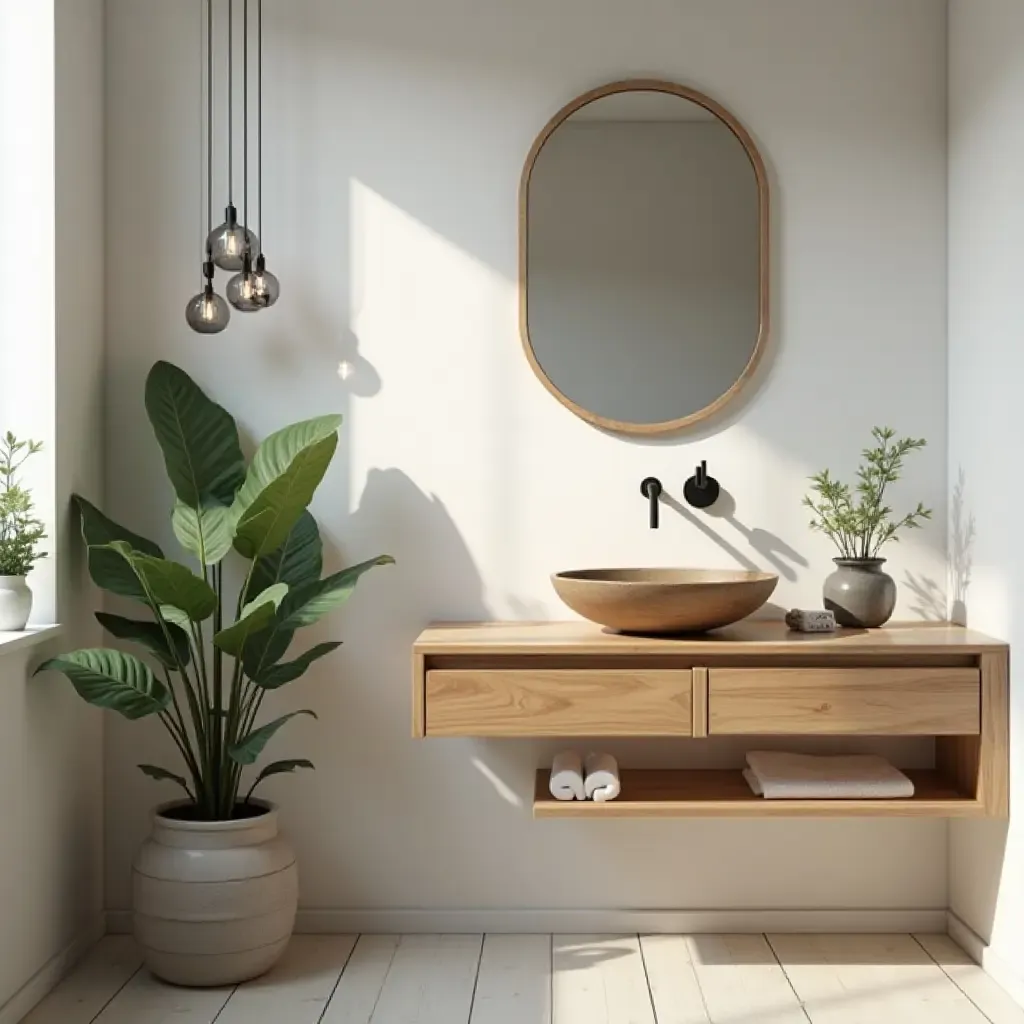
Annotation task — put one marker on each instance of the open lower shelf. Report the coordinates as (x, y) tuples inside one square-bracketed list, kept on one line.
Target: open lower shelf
[(701, 793)]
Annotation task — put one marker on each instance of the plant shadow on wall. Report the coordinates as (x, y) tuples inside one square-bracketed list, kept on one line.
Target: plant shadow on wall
[(365, 716), (961, 549)]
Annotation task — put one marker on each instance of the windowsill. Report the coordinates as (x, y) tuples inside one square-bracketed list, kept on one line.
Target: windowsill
[(30, 637)]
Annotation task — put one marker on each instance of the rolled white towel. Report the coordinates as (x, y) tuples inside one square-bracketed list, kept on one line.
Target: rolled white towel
[(566, 782), (601, 777)]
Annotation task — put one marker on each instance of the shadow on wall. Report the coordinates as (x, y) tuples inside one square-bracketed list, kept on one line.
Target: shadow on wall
[(962, 532), (771, 548), (931, 602), (436, 568), (977, 845), (929, 599), (325, 335)]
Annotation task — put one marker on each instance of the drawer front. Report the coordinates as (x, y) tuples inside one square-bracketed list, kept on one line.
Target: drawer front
[(879, 701), (558, 702)]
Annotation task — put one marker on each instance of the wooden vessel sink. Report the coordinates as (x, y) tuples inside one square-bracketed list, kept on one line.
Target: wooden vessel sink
[(664, 601)]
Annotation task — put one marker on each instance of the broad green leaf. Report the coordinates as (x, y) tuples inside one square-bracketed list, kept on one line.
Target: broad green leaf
[(112, 679), (265, 524), (206, 531), (298, 560), (151, 636), (198, 437), (171, 583), (265, 648), (175, 616), (278, 675), (282, 479), (246, 750), (303, 605), (107, 569), (280, 768), (278, 451), (310, 602), (256, 615), (154, 771)]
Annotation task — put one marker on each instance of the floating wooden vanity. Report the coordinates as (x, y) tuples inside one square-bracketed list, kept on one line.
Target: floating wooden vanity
[(571, 679)]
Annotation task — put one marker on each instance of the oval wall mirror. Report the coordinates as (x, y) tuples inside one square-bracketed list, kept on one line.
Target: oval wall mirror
[(643, 244)]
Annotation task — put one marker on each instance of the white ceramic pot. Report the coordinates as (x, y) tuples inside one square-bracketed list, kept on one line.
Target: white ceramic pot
[(214, 901), (15, 603)]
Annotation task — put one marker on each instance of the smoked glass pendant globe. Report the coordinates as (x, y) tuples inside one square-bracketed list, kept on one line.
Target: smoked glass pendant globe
[(266, 287), (207, 312), (228, 242), (253, 288), (241, 288)]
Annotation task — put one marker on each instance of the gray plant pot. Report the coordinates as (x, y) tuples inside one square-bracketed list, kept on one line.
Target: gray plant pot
[(860, 593)]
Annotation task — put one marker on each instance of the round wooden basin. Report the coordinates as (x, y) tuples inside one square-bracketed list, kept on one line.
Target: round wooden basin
[(664, 600)]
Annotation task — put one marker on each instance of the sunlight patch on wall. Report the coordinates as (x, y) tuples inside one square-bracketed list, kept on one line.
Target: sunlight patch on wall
[(501, 787), (428, 317)]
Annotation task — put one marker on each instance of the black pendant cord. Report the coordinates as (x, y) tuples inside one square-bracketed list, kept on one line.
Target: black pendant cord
[(202, 141), (209, 125), (259, 122), (231, 100), (245, 122)]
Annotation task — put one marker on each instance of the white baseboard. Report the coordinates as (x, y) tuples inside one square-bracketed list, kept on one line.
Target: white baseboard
[(995, 966), (576, 922), (47, 977)]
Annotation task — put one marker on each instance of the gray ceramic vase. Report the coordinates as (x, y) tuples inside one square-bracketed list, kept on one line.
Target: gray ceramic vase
[(860, 593)]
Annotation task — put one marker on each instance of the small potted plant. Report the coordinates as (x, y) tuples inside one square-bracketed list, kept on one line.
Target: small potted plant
[(860, 524), (20, 534), (215, 885)]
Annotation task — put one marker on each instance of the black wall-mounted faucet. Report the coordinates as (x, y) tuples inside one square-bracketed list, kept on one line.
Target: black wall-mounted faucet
[(701, 490), (651, 490)]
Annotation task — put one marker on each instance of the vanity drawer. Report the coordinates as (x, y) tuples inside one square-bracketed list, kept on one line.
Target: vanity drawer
[(879, 701), (559, 702)]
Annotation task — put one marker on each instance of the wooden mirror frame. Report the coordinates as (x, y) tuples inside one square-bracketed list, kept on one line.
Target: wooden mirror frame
[(764, 247)]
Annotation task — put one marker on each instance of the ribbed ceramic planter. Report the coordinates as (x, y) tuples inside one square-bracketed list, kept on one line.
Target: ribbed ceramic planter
[(15, 603), (860, 593), (214, 901)]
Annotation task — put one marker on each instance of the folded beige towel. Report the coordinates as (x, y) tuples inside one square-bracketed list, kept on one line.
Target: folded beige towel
[(781, 776)]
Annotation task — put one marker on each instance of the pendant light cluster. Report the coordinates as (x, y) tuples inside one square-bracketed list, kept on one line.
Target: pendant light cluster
[(233, 245)]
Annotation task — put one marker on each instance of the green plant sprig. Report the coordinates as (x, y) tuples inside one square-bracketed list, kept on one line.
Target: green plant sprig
[(20, 530), (207, 688), (857, 519)]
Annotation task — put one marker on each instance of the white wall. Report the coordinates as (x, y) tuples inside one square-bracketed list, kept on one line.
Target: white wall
[(643, 264), (396, 133), (50, 742), (986, 271)]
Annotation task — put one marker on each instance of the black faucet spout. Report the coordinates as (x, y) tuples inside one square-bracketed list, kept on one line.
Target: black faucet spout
[(651, 490)]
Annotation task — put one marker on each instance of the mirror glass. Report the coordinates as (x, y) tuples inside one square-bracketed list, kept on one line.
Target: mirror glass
[(643, 281)]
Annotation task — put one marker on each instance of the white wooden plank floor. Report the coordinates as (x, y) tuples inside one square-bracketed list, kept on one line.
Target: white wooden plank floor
[(561, 979)]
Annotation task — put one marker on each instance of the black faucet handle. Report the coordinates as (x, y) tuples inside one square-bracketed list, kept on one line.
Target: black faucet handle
[(701, 490)]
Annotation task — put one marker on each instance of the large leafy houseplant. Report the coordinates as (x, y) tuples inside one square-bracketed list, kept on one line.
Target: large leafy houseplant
[(208, 672)]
